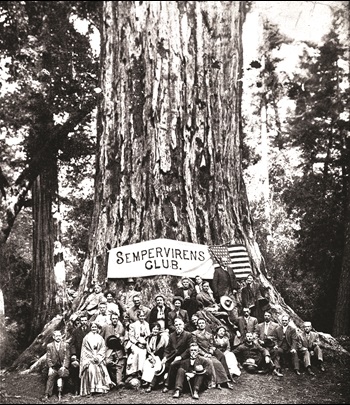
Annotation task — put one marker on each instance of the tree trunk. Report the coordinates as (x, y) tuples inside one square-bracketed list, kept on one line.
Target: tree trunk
[(169, 164), (169, 160), (44, 287)]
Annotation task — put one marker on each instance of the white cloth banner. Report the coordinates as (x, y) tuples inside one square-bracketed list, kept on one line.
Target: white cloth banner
[(160, 257)]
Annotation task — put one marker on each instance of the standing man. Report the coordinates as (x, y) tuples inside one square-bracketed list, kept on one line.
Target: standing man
[(57, 359), (224, 281), (114, 335), (76, 342)]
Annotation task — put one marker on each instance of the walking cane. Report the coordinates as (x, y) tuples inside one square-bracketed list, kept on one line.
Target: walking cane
[(189, 384)]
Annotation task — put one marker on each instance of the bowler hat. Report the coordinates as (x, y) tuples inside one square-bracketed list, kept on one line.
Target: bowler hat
[(250, 365), (130, 280), (199, 369), (227, 303)]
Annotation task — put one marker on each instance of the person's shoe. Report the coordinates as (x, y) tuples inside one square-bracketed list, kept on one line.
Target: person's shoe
[(195, 395), (45, 398), (218, 386), (297, 372), (309, 371), (322, 368), (230, 386), (165, 390), (121, 385), (149, 389), (277, 373), (176, 394), (212, 385)]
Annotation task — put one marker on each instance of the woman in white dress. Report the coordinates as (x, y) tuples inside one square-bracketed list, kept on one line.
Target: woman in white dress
[(222, 342), (93, 371), (138, 332)]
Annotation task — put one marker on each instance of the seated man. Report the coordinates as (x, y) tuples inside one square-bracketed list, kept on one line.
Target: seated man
[(176, 350), (246, 323), (57, 359), (196, 370), (309, 346), (287, 343), (253, 357)]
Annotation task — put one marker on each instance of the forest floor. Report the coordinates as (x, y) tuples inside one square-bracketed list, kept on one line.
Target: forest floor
[(330, 387)]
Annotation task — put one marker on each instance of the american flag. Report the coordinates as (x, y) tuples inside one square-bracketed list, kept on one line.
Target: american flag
[(236, 257)]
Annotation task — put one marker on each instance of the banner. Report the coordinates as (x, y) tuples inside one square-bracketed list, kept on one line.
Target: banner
[(160, 257)]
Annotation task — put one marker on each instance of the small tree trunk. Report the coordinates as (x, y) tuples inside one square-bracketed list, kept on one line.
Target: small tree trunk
[(44, 288)]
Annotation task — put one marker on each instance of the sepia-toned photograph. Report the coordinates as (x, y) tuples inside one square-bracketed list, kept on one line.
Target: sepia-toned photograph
[(175, 202)]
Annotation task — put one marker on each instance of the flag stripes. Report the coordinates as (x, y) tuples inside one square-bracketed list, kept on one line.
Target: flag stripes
[(236, 256)]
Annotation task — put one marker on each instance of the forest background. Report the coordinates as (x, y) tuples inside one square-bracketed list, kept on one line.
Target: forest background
[(296, 153)]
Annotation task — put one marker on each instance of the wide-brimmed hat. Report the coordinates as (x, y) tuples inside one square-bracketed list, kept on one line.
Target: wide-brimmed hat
[(178, 298), (160, 371), (227, 303)]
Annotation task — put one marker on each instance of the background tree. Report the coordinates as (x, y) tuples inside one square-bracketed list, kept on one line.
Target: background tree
[(51, 76)]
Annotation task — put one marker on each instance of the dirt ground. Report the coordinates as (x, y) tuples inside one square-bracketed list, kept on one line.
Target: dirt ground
[(331, 387)]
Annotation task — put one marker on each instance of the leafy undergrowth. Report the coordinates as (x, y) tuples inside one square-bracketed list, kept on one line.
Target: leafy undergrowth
[(331, 387)]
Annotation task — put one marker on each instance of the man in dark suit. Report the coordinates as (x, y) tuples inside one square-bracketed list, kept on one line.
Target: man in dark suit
[(254, 358), (267, 338), (78, 335), (176, 350), (57, 359), (195, 369), (114, 335), (246, 323), (287, 343), (310, 346), (224, 281)]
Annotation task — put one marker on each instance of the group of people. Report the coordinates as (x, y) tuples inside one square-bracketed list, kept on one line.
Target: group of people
[(203, 340)]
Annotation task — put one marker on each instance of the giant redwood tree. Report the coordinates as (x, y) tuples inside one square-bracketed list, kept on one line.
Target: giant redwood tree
[(169, 159)]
